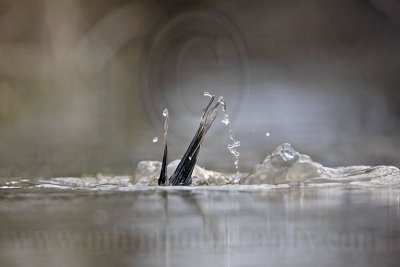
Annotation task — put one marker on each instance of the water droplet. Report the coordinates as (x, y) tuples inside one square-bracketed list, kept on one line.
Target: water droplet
[(267, 134), (234, 144), (165, 112), (207, 94), (286, 152), (155, 139), (225, 121)]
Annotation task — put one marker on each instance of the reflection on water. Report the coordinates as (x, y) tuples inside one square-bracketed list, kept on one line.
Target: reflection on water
[(241, 226)]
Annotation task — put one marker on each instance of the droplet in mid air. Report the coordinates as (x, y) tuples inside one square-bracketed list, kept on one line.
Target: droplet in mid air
[(165, 112), (155, 139), (225, 120), (207, 94)]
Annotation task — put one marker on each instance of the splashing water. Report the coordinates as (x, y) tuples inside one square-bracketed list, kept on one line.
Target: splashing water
[(233, 146), (165, 113), (225, 120), (207, 94), (283, 168)]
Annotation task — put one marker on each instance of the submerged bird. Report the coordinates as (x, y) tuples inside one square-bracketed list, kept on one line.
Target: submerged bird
[(183, 173)]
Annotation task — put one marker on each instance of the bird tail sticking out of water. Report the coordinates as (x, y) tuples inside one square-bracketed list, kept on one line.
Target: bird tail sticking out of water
[(183, 173)]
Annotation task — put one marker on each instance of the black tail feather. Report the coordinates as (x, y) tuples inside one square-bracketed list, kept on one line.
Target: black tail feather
[(163, 174), (183, 173)]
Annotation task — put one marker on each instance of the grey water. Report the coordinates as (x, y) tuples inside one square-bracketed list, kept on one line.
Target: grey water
[(287, 211), (201, 226)]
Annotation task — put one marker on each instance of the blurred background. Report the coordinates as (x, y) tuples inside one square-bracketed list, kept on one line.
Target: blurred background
[(83, 83)]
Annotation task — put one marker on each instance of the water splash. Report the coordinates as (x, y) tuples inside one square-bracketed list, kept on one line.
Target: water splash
[(225, 120), (234, 144), (208, 94), (283, 168), (165, 113)]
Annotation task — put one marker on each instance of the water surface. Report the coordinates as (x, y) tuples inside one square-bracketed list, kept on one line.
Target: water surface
[(201, 226)]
